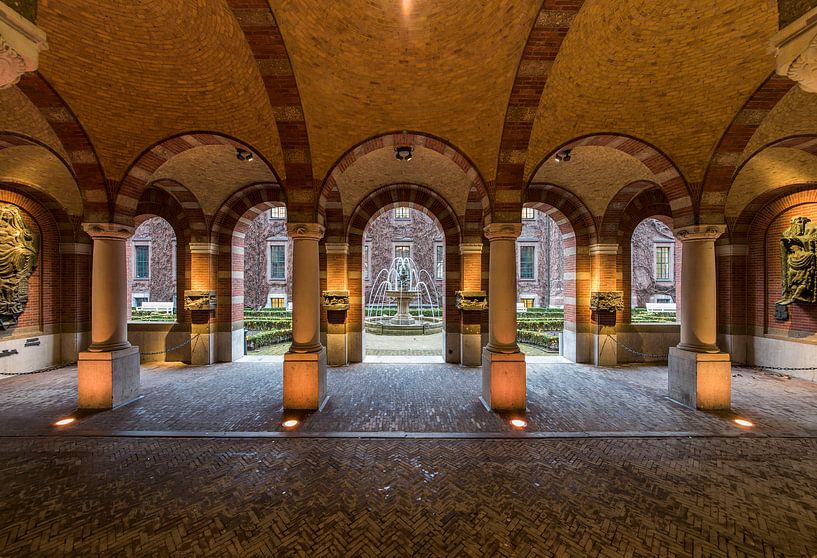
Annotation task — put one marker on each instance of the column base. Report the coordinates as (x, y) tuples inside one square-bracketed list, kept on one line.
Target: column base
[(605, 349), (336, 349), (202, 348), (503, 381), (700, 380), (107, 380), (471, 350), (305, 380)]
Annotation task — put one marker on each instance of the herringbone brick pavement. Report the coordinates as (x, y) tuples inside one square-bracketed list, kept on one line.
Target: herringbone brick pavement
[(330, 497), (409, 398)]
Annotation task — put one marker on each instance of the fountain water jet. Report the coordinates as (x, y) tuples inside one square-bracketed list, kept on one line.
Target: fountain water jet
[(403, 283)]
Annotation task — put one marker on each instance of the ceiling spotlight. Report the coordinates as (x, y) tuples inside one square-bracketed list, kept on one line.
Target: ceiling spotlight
[(563, 156), (403, 153), (243, 154)]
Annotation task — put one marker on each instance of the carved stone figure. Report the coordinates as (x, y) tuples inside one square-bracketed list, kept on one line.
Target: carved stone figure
[(199, 300), (798, 250), (471, 301), (607, 301), (335, 300), (18, 259)]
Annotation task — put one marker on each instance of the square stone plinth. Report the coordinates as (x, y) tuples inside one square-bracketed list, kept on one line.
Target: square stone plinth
[(107, 379), (605, 348), (700, 380), (305, 380), (471, 351), (503, 381), (336, 349)]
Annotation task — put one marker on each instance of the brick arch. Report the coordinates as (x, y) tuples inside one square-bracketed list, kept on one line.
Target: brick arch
[(742, 227), (44, 306), (544, 41), (68, 227), (136, 179), (618, 208), (478, 204), (755, 294), (421, 199), (84, 162), (667, 175), (649, 203), (196, 219), (257, 21), (229, 225), (573, 209), (723, 166)]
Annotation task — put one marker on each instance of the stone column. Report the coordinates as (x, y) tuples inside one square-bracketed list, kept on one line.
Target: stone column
[(503, 366), (471, 334), (202, 278), (603, 261), (337, 255), (305, 362), (699, 374), (108, 372)]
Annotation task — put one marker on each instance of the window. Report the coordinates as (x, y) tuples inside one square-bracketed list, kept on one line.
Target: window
[(402, 251), (663, 271), (527, 258), (277, 261), (366, 262), (528, 301), (528, 213), (141, 261), (173, 260), (402, 214), (278, 213), (439, 262), (139, 298), (276, 301)]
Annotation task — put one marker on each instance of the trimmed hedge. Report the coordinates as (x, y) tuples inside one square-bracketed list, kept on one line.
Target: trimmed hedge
[(267, 324), (264, 338), (150, 316), (643, 316), (548, 341)]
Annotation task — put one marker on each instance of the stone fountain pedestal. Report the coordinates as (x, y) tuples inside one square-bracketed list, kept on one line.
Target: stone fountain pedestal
[(403, 299)]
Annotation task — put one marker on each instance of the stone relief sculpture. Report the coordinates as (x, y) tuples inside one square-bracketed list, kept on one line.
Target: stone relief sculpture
[(798, 250), (607, 301), (471, 301), (18, 260), (335, 300)]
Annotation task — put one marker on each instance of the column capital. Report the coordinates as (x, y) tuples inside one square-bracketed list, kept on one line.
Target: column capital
[(699, 232), (337, 248), (108, 231), (470, 249), (305, 231), (204, 248), (603, 249), (503, 231)]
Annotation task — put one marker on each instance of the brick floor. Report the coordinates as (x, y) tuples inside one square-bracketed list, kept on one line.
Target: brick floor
[(416, 398), (330, 497)]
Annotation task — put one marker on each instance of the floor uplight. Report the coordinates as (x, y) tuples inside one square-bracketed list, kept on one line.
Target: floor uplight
[(63, 422), (744, 422), (291, 423), (519, 423)]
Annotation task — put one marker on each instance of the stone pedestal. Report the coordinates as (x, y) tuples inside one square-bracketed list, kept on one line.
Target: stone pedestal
[(700, 380), (471, 347), (605, 348), (107, 379), (202, 348), (336, 354), (503, 381), (305, 380)]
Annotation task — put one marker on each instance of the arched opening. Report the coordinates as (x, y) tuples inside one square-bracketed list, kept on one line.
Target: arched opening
[(268, 284), (541, 282), (403, 275), (152, 259), (655, 272)]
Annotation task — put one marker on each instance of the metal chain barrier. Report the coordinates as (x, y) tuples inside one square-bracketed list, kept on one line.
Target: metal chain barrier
[(734, 363), (58, 366), (171, 349)]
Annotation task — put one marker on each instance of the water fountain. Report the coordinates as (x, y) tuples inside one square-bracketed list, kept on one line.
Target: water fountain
[(401, 284)]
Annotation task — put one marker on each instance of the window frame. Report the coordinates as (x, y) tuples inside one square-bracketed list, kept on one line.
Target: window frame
[(528, 214), (277, 296), (137, 244), (397, 245), (367, 260), (397, 211), (534, 265), (526, 297), (670, 263), (282, 245), (439, 261)]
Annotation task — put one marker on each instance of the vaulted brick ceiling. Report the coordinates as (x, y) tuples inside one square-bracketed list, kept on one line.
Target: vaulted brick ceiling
[(138, 72), (674, 74)]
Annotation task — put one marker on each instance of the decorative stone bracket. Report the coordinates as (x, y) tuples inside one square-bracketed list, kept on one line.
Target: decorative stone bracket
[(335, 301), (795, 50), (199, 300), (606, 301), (471, 301), (20, 44)]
